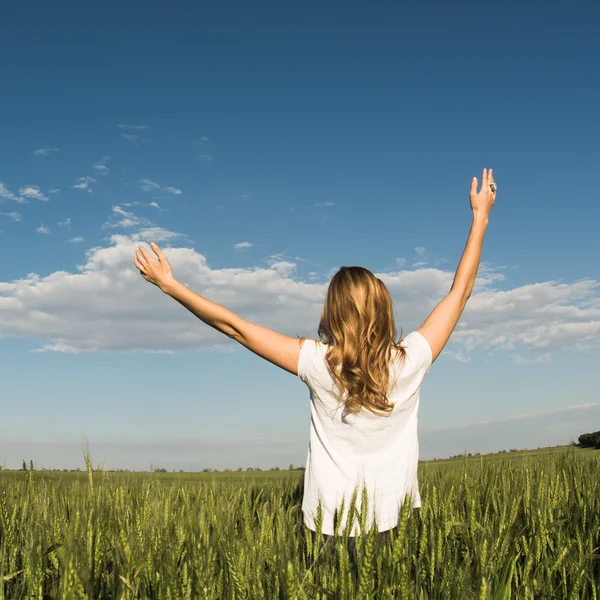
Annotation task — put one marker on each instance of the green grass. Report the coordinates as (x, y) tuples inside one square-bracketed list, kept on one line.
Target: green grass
[(519, 525)]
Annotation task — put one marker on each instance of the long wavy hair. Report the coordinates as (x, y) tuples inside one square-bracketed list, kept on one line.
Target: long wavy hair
[(357, 322)]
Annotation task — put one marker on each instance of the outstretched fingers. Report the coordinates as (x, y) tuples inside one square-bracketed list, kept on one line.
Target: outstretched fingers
[(138, 263), (157, 251)]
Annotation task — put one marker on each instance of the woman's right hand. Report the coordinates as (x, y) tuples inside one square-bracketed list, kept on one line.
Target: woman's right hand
[(482, 202)]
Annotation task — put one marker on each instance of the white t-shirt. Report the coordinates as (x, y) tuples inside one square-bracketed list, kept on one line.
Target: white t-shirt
[(380, 453)]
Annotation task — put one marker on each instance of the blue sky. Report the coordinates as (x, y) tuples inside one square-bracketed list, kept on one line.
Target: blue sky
[(263, 146)]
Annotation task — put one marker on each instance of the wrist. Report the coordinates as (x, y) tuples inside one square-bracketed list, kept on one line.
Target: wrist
[(169, 285), (480, 219)]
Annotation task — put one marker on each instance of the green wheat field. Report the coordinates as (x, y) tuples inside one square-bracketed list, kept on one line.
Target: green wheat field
[(519, 525)]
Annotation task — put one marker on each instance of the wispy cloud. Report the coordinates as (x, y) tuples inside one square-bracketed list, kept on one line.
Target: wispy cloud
[(83, 183), (6, 194), (75, 240), (13, 216), (66, 222), (527, 430), (33, 192), (45, 151), (54, 191), (138, 127), (519, 417), (158, 207), (147, 185), (100, 166), (207, 158), (124, 219), (203, 140), (247, 196), (43, 229), (132, 133), (327, 204), (152, 204), (420, 250), (529, 360), (459, 356), (243, 246)]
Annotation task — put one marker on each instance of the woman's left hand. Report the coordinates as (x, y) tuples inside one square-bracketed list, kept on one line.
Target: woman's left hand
[(155, 271)]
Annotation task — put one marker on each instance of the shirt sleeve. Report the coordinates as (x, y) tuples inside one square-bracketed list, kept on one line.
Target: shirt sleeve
[(420, 351), (305, 360)]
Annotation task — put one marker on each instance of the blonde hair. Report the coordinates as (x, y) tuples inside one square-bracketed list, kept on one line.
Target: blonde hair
[(357, 323)]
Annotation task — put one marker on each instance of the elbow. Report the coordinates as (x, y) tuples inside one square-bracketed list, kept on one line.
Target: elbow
[(232, 333), (463, 295)]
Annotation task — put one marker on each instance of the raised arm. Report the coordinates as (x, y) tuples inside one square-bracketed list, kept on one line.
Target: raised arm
[(281, 350), (443, 319)]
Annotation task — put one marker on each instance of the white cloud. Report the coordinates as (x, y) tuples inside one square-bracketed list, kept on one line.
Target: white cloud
[(420, 250), (157, 234), (43, 229), (152, 204), (67, 221), (243, 245), (138, 127), (247, 196), (75, 240), (5, 193), (528, 360), (13, 216), (109, 288), (206, 158), (323, 204), (45, 151), (400, 262), (83, 183), (147, 185), (130, 137), (53, 191), (33, 192), (124, 219), (539, 316), (172, 190), (100, 166), (459, 356)]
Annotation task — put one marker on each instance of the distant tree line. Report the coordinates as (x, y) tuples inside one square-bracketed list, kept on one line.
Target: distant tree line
[(32, 467), (589, 440)]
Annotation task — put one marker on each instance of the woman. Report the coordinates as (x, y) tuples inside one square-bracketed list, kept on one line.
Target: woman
[(364, 386)]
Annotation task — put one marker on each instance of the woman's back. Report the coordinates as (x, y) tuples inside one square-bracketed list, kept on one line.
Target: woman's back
[(363, 448)]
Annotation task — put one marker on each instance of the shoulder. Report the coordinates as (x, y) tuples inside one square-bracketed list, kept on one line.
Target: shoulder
[(418, 350), (311, 356)]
